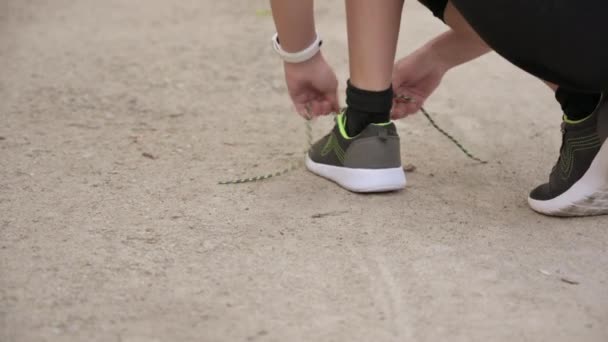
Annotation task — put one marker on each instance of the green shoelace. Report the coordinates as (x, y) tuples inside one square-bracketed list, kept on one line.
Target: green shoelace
[(309, 141)]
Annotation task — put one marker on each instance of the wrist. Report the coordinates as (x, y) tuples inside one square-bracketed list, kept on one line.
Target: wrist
[(433, 54), (307, 63), (302, 55), (438, 51)]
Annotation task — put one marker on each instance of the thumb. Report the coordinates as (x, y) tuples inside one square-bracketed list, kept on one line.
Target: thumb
[(334, 102)]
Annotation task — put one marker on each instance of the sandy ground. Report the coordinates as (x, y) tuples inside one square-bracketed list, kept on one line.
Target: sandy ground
[(100, 243)]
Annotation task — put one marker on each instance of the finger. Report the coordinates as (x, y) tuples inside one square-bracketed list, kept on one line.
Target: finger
[(398, 110), (325, 108), (411, 101), (334, 102), (302, 110), (399, 105), (316, 108), (412, 108), (402, 109), (404, 99)]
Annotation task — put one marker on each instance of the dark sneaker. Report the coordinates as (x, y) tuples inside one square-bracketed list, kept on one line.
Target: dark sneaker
[(369, 162), (578, 185)]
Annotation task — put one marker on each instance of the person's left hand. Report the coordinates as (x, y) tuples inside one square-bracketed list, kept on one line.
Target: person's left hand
[(415, 77), (313, 87)]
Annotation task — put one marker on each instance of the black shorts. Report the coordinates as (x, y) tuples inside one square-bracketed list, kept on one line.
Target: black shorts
[(436, 6), (561, 41)]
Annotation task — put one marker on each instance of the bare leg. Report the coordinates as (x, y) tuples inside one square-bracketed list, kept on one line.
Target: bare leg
[(373, 30)]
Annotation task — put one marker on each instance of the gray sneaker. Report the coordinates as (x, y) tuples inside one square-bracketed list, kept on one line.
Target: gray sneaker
[(368, 162), (578, 184)]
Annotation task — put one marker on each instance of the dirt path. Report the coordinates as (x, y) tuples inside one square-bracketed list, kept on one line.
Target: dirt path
[(99, 242)]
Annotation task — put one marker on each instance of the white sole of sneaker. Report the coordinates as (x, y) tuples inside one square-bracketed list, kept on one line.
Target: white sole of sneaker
[(360, 180), (587, 197)]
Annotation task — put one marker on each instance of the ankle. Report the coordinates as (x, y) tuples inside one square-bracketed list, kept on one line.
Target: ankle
[(366, 107)]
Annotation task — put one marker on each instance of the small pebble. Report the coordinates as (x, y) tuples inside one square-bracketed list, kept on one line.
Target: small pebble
[(569, 281), (149, 156), (409, 168)]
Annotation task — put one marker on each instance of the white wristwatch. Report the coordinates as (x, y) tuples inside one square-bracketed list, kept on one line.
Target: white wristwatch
[(300, 56)]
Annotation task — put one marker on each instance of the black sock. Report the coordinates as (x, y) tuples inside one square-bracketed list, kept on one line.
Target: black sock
[(577, 105), (366, 107)]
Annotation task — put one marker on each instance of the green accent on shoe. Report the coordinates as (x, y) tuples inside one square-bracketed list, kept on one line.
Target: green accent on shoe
[(332, 145), (571, 147), (341, 122), (382, 124), (574, 122)]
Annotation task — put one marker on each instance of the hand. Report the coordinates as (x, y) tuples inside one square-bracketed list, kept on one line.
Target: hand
[(313, 87), (415, 77)]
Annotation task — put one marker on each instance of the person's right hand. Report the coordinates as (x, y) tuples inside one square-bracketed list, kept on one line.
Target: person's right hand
[(313, 87), (416, 77)]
